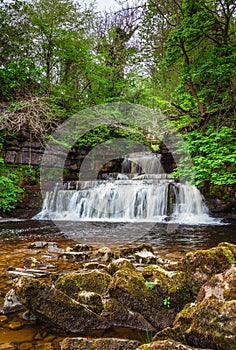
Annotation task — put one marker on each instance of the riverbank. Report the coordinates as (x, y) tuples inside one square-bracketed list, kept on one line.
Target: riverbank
[(48, 257)]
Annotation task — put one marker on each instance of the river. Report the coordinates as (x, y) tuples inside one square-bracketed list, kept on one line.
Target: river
[(171, 241)]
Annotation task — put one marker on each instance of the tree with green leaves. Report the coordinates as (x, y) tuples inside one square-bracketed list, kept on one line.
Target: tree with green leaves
[(19, 73)]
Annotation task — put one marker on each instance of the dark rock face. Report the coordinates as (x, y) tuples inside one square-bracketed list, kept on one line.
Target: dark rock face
[(56, 308), (98, 344)]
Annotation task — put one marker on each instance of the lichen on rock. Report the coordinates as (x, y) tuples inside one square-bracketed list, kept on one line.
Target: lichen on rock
[(166, 345), (203, 264), (98, 344), (52, 306), (209, 323), (96, 281)]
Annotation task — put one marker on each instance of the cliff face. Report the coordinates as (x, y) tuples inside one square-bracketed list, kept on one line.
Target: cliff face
[(22, 150)]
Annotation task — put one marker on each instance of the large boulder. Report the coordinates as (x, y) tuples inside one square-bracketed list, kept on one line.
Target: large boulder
[(210, 323), (174, 287), (120, 316), (52, 306), (201, 265), (72, 284), (98, 344), (129, 288), (211, 320)]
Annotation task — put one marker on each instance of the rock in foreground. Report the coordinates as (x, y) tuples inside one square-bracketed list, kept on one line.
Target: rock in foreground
[(56, 308), (98, 344), (166, 345)]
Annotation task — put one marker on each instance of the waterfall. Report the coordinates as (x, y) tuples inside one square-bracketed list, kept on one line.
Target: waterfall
[(142, 162), (127, 200), (141, 192)]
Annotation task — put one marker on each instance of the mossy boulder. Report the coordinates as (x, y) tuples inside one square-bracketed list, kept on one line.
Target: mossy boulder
[(119, 264), (129, 288), (120, 316), (166, 345), (172, 284), (93, 301), (221, 286), (96, 281), (201, 265), (98, 344), (211, 320), (147, 247), (209, 323), (52, 306)]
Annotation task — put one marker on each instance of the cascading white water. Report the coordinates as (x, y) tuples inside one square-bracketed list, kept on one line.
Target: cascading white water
[(117, 200), (127, 200), (147, 163), (151, 196)]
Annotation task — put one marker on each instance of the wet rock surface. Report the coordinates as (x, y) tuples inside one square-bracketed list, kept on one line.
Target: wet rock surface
[(98, 344), (11, 303), (203, 264), (166, 345), (185, 304), (58, 309)]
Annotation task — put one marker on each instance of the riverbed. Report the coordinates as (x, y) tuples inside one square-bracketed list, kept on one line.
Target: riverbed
[(169, 241)]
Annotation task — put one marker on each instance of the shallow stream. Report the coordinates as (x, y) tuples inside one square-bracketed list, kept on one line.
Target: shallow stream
[(171, 241)]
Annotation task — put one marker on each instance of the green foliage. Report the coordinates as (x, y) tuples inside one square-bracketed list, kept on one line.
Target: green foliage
[(104, 133), (213, 155), (166, 301), (202, 46), (150, 285), (9, 189), (149, 337), (12, 179)]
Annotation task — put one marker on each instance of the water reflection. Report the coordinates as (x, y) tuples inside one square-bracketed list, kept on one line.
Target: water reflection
[(164, 237)]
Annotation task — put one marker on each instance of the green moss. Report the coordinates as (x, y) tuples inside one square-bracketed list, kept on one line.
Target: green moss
[(203, 264), (174, 284), (91, 281)]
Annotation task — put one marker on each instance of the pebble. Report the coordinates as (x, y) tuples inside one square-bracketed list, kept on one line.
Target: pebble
[(11, 303), (38, 336), (44, 346), (25, 346), (3, 318), (14, 325), (7, 346)]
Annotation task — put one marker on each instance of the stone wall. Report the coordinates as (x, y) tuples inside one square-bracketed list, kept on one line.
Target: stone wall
[(23, 150)]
